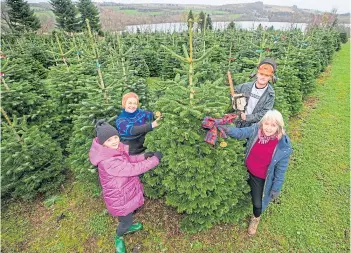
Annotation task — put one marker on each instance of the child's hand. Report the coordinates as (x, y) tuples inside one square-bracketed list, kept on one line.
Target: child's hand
[(243, 116), (148, 154), (158, 155)]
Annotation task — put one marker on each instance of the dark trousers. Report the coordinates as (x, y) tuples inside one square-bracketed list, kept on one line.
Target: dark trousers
[(124, 222), (256, 185)]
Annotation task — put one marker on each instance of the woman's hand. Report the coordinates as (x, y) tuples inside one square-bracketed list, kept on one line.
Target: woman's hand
[(274, 194), (155, 123)]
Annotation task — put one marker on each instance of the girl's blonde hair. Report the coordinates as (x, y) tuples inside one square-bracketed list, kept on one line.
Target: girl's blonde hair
[(276, 116)]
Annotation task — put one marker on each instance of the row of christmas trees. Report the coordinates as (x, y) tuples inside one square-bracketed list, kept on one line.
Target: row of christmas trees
[(55, 87)]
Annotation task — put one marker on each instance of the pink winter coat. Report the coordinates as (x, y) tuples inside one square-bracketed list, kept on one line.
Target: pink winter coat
[(118, 173)]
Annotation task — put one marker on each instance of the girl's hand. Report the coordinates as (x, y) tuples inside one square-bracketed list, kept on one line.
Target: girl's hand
[(148, 154)]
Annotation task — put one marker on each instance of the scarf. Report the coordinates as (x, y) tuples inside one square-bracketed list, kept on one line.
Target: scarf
[(262, 139), (214, 125)]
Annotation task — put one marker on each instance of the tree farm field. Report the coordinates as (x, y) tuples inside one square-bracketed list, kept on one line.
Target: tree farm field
[(312, 214)]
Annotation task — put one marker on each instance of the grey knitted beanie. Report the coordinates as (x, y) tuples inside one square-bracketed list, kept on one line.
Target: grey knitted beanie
[(104, 131)]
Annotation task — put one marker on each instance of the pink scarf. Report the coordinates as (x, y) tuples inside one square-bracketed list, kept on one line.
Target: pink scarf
[(264, 139)]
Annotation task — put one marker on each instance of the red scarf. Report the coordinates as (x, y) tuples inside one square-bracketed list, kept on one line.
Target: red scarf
[(214, 125), (264, 139)]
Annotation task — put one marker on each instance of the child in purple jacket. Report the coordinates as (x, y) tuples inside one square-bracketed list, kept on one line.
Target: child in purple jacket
[(118, 173)]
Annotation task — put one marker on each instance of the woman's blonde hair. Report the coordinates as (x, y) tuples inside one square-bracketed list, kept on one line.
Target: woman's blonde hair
[(276, 116)]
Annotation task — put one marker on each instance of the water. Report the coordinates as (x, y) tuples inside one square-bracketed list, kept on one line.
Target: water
[(178, 27)]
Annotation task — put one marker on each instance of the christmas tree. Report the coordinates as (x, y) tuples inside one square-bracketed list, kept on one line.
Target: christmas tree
[(206, 183)]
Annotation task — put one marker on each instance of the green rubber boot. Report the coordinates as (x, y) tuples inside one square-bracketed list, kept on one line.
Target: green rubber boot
[(119, 243), (135, 227)]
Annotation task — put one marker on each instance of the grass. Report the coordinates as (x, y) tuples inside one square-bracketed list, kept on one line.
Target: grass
[(313, 214), (135, 12), (165, 11), (235, 16), (44, 14)]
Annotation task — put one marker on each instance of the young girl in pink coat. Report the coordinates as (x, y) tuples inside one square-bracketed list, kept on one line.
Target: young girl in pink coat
[(118, 173)]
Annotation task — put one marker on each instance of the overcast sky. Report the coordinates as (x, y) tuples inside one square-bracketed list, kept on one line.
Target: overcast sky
[(342, 6)]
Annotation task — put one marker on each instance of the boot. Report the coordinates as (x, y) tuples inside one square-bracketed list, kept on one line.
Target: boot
[(119, 243), (135, 227), (253, 225)]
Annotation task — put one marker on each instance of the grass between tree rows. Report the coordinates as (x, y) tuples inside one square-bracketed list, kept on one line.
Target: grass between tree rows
[(312, 216)]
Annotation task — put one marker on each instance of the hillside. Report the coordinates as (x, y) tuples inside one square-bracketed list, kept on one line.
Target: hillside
[(116, 16)]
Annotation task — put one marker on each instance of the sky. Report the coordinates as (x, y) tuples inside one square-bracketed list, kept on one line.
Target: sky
[(342, 6)]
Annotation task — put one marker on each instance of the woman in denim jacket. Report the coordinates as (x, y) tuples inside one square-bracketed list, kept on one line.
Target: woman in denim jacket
[(267, 155)]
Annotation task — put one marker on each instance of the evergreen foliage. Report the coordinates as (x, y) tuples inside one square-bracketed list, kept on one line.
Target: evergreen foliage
[(201, 21), (66, 15), (206, 183), (20, 17), (343, 37), (30, 167), (190, 17), (64, 82), (89, 11), (24, 93), (209, 24)]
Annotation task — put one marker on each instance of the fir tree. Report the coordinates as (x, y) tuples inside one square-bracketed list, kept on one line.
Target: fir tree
[(100, 102), (67, 90), (152, 61), (24, 93), (292, 85), (20, 17), (206, 183), (343, 37), (231, 26), (209, 24), (190, 17), (139, 65), (32, 161), (65, 13), (89, 11), (201, 21)]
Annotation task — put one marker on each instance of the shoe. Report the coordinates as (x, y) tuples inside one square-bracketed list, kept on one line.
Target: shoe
[(253, 225), (119, 243), (135, 227)]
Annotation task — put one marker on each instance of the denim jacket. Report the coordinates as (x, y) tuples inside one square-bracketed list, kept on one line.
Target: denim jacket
[(279, 163)]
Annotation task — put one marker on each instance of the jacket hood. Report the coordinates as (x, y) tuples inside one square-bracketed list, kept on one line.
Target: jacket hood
[(99, 153)]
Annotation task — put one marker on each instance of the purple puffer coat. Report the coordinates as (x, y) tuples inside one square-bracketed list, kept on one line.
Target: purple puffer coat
[(118, 173)]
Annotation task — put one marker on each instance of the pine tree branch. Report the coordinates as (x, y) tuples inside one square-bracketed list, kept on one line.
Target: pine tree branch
[(174, 54), (11, 126), (206, 54), (185, 51)]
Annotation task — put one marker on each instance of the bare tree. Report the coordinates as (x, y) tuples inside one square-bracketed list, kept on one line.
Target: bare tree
[(6, 25)]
